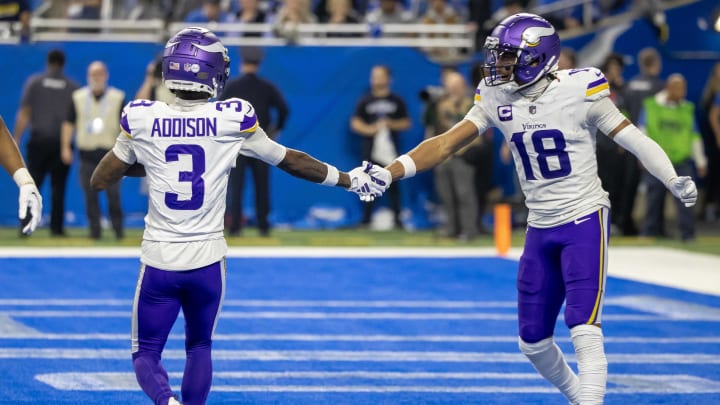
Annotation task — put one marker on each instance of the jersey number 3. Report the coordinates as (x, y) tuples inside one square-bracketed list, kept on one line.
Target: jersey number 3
[(544, 153), (194, 177)]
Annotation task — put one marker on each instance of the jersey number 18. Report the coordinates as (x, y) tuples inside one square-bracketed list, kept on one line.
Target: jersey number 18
[(543, 153)]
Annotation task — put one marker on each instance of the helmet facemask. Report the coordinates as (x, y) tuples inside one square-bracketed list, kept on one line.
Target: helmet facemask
[(522, 49)]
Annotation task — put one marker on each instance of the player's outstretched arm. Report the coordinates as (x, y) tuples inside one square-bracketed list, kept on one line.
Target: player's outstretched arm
[(299, 164), (428, 154), (10, 157), (29, 201), (607, 118), (304, 166)]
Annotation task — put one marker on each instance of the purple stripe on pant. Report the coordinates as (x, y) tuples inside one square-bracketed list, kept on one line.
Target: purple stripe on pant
[(566, 262), (160, 297)]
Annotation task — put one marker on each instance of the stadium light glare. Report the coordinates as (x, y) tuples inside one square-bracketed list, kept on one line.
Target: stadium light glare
[(716, 25)]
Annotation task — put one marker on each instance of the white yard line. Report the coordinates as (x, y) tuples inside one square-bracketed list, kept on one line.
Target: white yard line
[(626, 383), (373, 356), (299, 337)]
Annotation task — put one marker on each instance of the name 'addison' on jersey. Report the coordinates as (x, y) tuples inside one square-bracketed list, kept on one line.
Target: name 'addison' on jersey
[(187, 154), (552, 143)]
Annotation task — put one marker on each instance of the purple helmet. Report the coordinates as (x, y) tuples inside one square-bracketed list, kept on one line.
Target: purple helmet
[(522, 48), (195, 60)]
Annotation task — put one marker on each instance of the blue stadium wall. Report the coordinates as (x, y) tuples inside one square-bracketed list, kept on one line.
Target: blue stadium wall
[(321, 86)]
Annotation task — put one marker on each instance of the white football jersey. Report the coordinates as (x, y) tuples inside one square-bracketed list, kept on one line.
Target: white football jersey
[(552, 143), (188, 153)]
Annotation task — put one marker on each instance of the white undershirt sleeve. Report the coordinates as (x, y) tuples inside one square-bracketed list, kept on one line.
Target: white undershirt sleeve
[(260, 146), (123, 149), (477, 117), (606, 117)]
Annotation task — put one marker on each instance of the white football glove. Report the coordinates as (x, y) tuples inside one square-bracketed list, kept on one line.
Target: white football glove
[(30, 202), (381, 177), (684, 189), (360, 184)]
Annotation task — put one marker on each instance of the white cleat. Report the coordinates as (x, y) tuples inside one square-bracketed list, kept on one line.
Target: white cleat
[(173, 401)]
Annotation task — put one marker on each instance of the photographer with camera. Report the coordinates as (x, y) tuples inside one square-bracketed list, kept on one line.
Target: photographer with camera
[(455, 178)]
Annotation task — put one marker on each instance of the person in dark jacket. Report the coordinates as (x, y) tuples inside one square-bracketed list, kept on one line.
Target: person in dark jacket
[(646, 84), (45, 101), (265, 97)]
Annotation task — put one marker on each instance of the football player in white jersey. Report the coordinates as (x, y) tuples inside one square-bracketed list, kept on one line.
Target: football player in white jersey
[(30, 201), (549, 118), (186, 150)]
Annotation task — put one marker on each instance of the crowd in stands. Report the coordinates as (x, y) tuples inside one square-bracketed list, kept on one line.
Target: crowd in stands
[(479, 15)]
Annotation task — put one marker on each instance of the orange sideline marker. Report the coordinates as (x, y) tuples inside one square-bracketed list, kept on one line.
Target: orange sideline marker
[(503, 228)]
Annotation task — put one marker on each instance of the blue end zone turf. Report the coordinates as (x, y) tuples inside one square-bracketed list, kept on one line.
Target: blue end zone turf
[(344, 330)]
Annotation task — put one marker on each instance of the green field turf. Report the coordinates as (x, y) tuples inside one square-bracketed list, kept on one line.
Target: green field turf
[(347, 237)]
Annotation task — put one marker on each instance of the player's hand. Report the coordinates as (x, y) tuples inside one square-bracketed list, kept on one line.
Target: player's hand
[(684, 189), (360, 183), (30, 203), (381, 178)]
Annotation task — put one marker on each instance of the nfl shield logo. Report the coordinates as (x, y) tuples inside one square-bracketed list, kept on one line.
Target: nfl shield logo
[(533, 109)]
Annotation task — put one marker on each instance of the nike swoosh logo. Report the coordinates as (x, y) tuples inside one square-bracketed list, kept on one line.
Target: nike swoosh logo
[(580, 221)]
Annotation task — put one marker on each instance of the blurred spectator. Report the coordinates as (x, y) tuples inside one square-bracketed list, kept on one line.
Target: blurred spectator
[(84, 10), (12, 11), (568, 59), (139, 9), (210, 11), (440, 12), (340, 12), (94, 116), (266, 99), (563, 19), (289, 16), (488, 166), (379, 118), (509, 8), (669, 119), (609, 154), (389, 12), (152, 87), (356, 10), (45, 100), (455, 178), (250, 13), (645, 84), (177, 10), (710, 130), (479, 11)]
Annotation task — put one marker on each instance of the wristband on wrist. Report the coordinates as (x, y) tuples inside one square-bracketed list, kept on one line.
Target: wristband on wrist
[(22, 177), (408, 166), (332, 177)]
